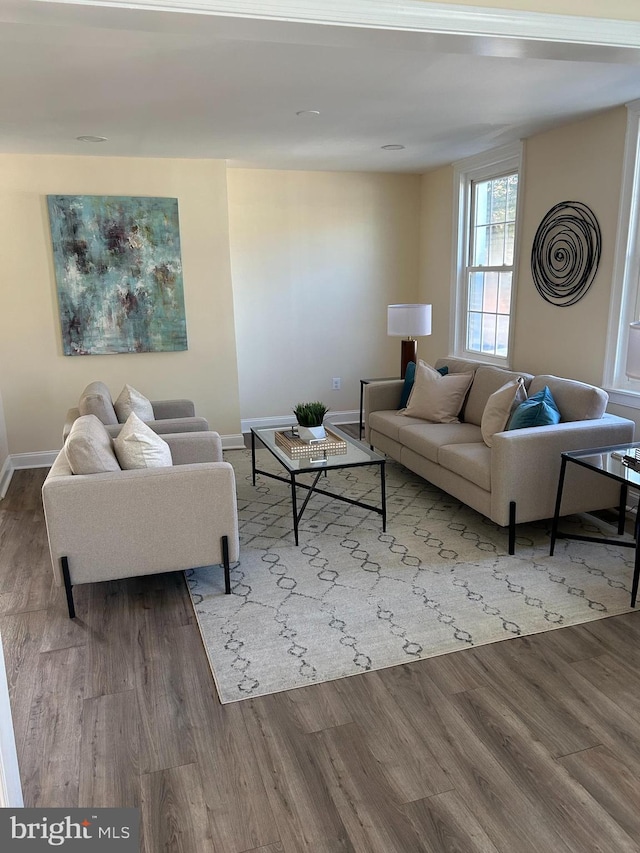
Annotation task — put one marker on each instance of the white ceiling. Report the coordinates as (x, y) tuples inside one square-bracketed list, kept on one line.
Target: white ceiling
[(174, 84)]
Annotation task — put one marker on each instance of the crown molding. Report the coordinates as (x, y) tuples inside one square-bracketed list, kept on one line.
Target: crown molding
[(408, 15)]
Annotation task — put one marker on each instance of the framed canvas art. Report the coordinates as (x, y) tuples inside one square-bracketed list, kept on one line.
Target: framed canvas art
[(118, 274)]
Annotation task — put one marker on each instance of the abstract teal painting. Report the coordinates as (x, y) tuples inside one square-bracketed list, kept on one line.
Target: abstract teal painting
[(118, 273)]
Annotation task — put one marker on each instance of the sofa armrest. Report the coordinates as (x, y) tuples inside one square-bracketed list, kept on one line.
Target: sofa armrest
[(173, 409), (143, 521), (169, 425), (525, 466), (381, 396), (190, 447)]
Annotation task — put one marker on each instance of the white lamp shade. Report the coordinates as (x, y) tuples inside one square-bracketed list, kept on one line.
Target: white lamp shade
[(633, 351), (410, 321)]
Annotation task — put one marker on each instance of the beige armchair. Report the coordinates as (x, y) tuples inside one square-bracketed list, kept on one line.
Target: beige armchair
[(145, 521), (169, 416)]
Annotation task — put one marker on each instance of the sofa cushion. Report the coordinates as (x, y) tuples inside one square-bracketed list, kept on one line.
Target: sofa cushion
[(500, 407), (409, 379), (427, 439), (129, 400), (576, 401), (471, 461), (138, 446), (487, 379), (96, 400), (539, 410), (88, 448), (389, 422), (437, 398)]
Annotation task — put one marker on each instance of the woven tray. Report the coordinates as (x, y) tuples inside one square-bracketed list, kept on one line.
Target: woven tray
[(296, 448)]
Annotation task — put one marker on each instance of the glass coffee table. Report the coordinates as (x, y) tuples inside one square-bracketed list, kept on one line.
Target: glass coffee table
[(353, 455), (618, 462)]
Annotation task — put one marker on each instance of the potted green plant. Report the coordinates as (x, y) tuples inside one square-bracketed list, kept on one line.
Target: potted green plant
[(310, 417)]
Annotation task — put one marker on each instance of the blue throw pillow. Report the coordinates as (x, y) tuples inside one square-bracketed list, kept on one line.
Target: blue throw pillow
[(538, 410), (409, 378)]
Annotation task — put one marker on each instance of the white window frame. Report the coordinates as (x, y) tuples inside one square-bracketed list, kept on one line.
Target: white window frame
[(625, 290), (490, 164)]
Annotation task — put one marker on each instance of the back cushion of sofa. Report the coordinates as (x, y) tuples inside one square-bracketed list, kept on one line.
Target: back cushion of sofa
[(488, 379), (96, 400), (577, 401)]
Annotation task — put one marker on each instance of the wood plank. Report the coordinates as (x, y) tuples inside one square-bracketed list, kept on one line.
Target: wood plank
[(400, 748), (110, 740), (614, 678), (445, 825), (173, 812), (608, 782), (305, 814), (506, 814), (166, 733), (21, 641), (50, 756), (318, 707), (577, 819), (372, 815), (537, 690), (239, 812)]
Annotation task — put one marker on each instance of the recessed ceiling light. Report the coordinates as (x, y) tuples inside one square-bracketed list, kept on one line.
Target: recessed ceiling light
[(393, 147), (91, 138), (308, 113)]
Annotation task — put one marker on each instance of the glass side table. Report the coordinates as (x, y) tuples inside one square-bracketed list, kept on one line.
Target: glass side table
[(610, 462)]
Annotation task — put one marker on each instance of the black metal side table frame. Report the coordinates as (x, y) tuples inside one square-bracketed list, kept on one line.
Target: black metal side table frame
[(313, 487), (575, 457)]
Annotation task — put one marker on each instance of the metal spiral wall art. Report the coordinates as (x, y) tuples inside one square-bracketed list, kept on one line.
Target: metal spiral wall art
[(566, 253)]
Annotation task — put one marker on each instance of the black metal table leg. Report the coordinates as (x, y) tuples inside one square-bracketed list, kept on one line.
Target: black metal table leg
[(622, 509), (253, 457), (383, 496), (294, 507), (556, 514), (636, 570)]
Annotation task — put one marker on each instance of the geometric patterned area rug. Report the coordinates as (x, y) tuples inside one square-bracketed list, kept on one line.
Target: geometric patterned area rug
[(351, 598)]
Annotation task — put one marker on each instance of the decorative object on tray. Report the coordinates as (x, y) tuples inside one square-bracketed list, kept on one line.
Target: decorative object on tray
[(310, 417), (297, 448)]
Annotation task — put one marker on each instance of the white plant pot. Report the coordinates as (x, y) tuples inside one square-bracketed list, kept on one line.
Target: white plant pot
[(310, 433)]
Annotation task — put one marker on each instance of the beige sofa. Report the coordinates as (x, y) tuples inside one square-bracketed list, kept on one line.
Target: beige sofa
[(145, 521), (170, 416), (515, 480)]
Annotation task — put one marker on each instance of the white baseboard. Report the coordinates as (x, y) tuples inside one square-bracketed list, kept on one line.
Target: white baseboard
[(233, 442), (39, 459), (287, 420)]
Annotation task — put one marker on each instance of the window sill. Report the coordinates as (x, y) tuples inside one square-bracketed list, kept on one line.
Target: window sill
[(630, 399)]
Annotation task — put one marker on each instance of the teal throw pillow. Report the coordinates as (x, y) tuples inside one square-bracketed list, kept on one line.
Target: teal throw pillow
[(538, 410), (409, 378)]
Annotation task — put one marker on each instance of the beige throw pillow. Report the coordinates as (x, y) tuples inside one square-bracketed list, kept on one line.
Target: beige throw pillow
[(129, 400), (499, 407), (88, 448), (138, 446), (437, 398)]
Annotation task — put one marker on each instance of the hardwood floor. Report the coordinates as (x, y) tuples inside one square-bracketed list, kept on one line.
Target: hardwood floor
[(531, 745)]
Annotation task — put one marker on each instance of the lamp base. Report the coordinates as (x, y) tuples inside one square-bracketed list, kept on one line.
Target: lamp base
[(409, 352)]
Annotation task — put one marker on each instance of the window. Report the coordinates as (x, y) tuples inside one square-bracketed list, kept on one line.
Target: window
[(486, 255), (625, 292)]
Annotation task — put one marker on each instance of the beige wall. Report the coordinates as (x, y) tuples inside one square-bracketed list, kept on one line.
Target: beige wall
[(38, 382), (316, 258), (579, 162), (435, 258), (626, 10)]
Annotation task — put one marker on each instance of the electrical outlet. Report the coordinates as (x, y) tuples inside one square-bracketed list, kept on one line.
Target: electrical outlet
[(336, 383)]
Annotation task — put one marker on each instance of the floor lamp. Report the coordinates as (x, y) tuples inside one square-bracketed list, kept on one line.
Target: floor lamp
[(408, 322)]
